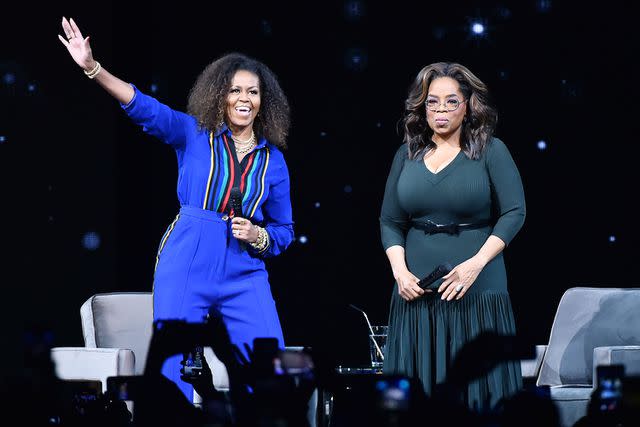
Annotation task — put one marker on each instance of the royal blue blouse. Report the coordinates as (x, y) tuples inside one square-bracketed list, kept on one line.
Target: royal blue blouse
[(208, 169)]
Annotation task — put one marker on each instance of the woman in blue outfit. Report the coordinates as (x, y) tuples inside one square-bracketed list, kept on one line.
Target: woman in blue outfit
[(228, 148)]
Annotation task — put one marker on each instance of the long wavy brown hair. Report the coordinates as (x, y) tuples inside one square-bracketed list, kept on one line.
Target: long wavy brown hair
[(478, 125), (208, 97)]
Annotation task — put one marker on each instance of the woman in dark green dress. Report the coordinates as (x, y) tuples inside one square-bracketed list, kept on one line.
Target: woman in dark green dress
[(450, 170)]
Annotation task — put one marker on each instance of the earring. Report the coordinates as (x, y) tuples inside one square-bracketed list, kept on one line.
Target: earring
[(220, 116)]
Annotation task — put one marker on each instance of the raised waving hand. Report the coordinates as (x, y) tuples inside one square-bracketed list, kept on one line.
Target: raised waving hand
[(77, 45), (80, 50)]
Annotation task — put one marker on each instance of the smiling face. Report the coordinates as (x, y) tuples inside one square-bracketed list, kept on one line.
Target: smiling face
[(243, 102), (444, 94)]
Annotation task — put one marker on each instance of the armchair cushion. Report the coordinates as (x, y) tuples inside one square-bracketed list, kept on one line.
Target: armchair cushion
[(570, 393), (82, 363)]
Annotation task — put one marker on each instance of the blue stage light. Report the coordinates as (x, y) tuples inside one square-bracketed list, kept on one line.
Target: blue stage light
[(9, 78), (91, 241), (543, 6), (356, 59), (477, 28), (266, 27), (354, 10)]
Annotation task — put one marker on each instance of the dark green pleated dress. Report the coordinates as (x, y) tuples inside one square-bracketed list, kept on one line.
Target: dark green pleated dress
[(425, 334)]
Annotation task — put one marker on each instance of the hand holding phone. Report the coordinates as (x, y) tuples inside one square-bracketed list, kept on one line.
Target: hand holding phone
[(196, 371), (193, 362)]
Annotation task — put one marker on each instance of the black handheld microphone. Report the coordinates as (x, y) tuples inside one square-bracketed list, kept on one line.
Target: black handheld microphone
[(437, 273), (235, 200)]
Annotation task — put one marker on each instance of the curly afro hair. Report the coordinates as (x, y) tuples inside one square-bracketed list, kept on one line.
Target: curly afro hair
[(208, 97)]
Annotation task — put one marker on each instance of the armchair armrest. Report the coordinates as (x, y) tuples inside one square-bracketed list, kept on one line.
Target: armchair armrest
[(84, 363), (531, 367), (627, 355)]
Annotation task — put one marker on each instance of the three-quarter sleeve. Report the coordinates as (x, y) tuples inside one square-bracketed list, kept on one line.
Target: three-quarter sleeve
[(507, 191), (157, 119), (278, 218), (394, 221)]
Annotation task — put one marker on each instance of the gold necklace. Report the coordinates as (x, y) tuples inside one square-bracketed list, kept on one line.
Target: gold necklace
[(246, 149), (249, 141), (243, 147)]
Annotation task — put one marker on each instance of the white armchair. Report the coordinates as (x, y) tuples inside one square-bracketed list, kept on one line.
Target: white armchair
[(117, 329), (592, 327)]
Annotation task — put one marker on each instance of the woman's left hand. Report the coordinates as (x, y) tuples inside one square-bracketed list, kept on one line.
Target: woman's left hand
[(460, 279), (244, 230)]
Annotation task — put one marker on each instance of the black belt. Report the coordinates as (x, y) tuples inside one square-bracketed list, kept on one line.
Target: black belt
[(430, 227)]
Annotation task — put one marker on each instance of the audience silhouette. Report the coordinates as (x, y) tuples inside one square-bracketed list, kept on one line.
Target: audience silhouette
[(273, 387)]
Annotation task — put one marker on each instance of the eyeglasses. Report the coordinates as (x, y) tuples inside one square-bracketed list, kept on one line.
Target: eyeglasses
[(451, 104)]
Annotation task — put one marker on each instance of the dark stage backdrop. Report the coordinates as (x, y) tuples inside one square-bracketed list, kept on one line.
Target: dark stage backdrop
[(87, 195)]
